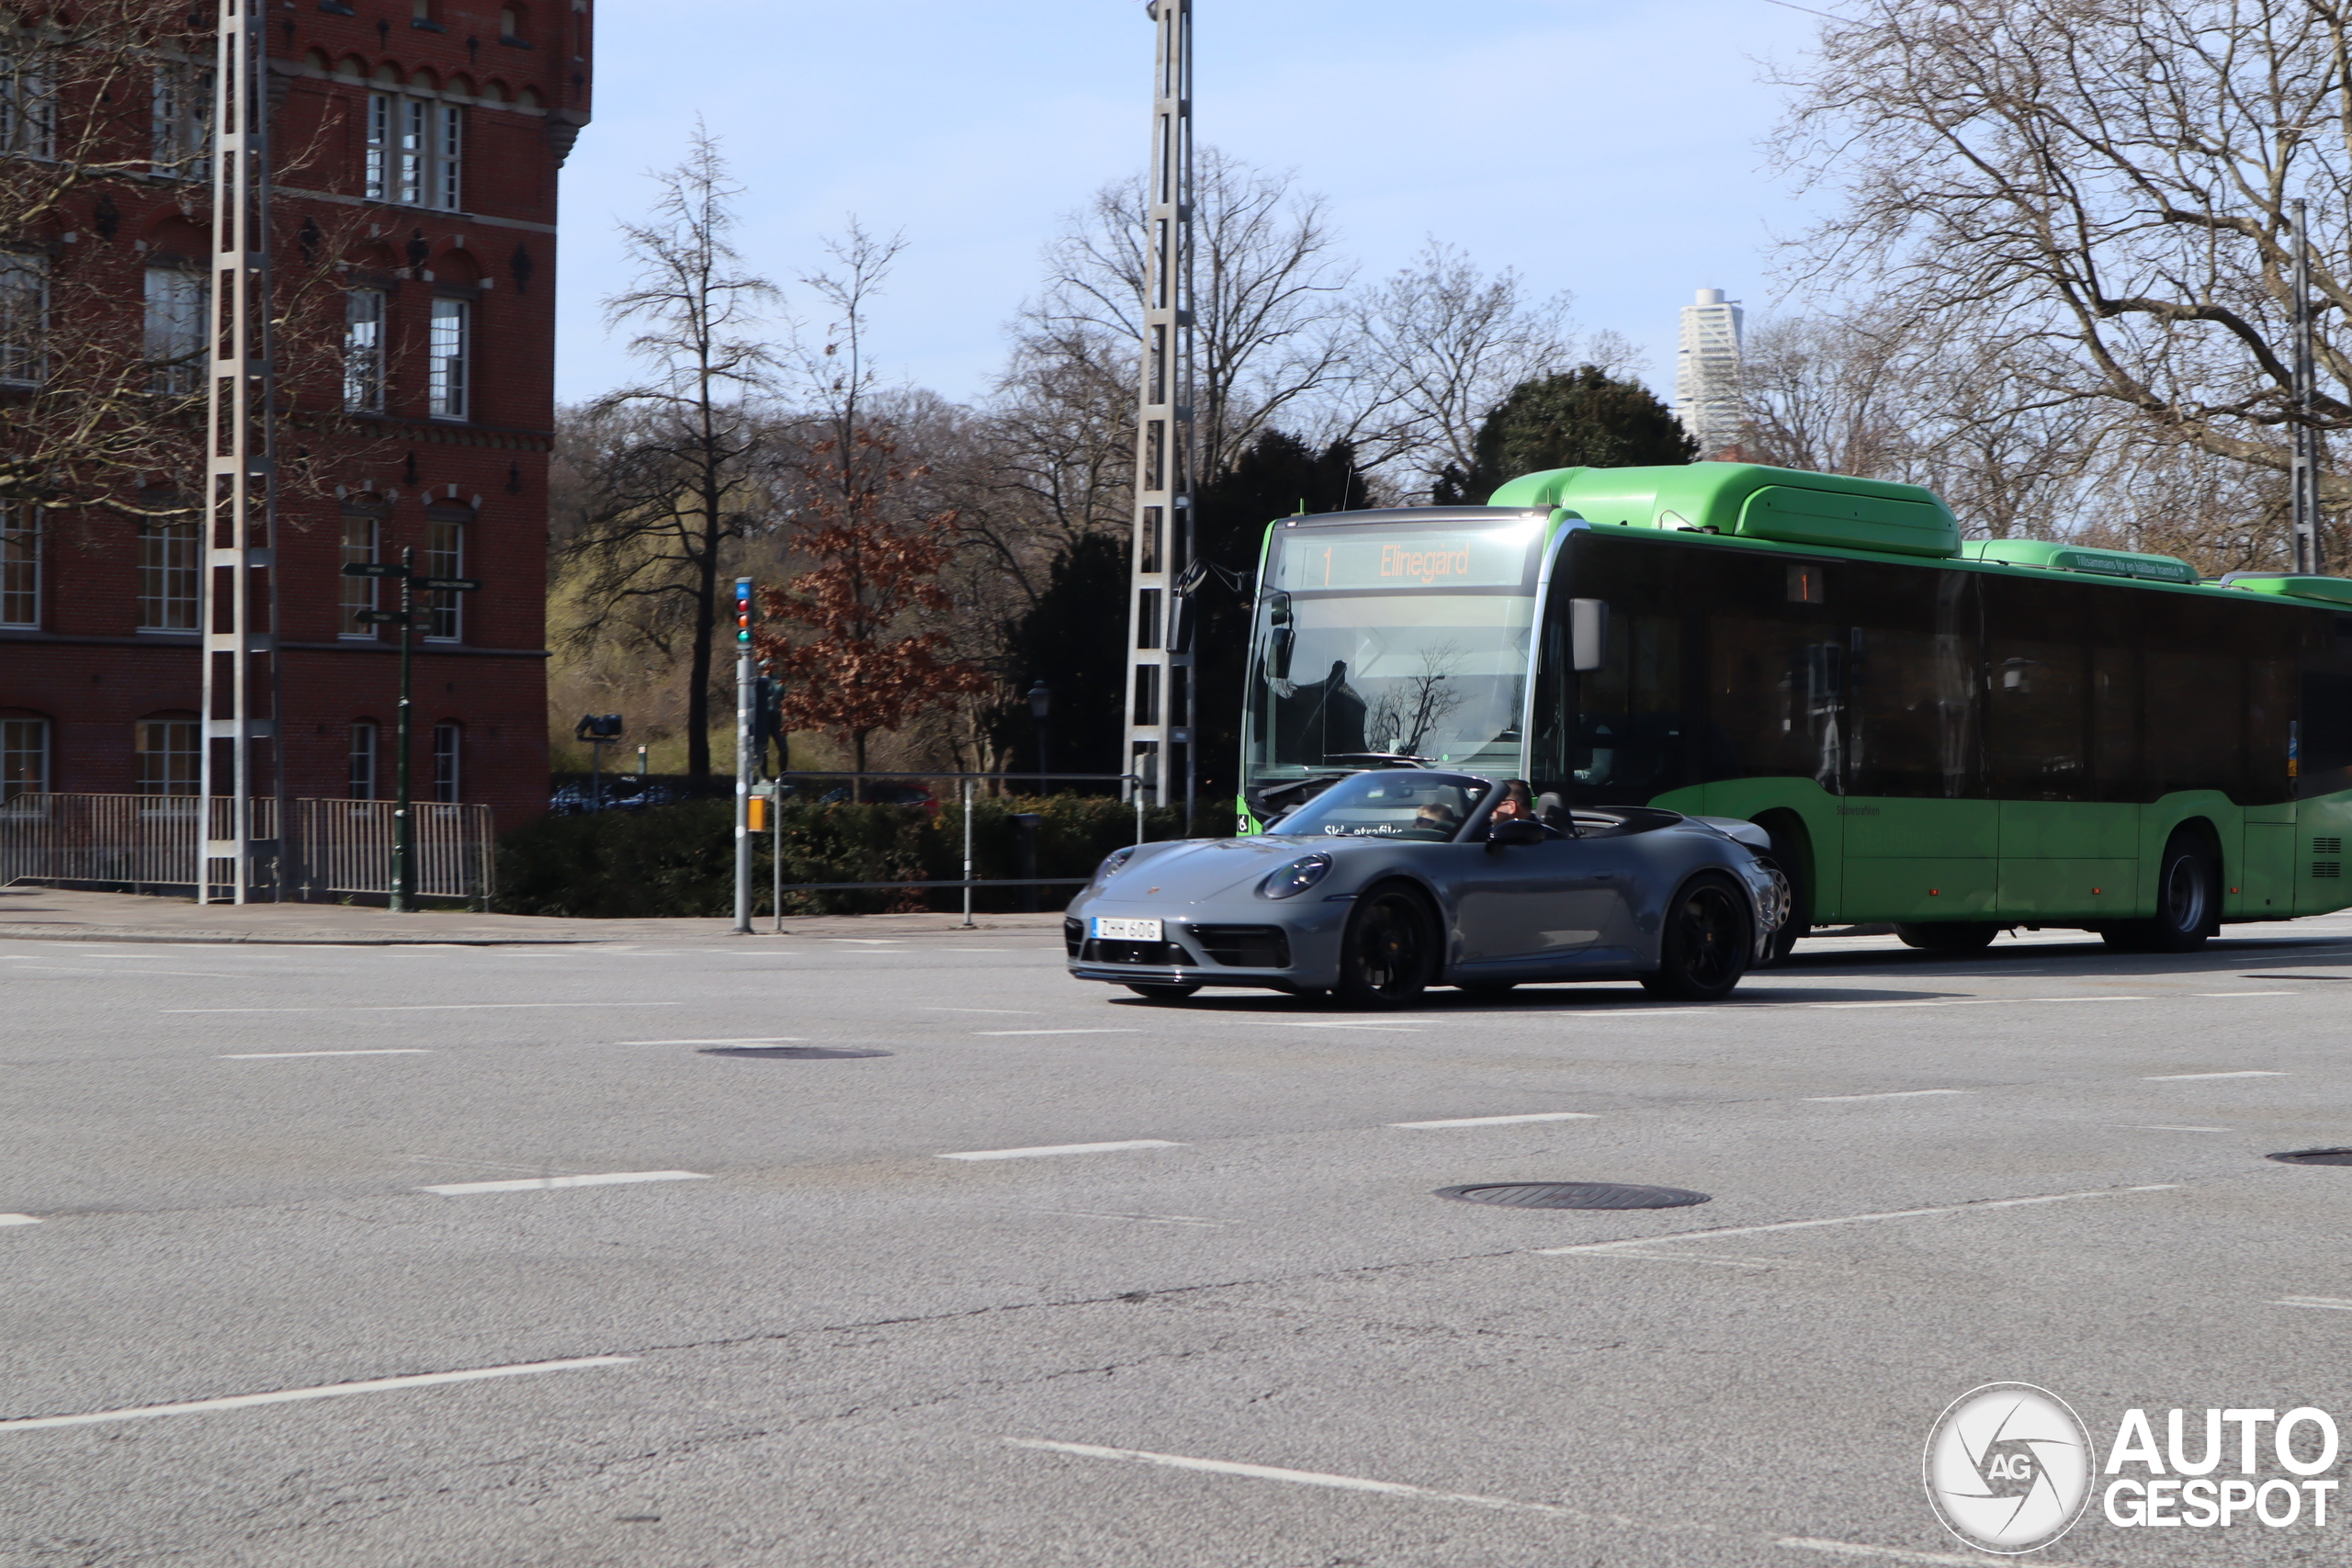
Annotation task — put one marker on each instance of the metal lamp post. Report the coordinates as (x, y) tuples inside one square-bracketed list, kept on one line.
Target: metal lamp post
[(1041, 704)]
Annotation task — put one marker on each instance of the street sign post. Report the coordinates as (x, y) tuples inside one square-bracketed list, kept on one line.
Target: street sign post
[(408, 618)]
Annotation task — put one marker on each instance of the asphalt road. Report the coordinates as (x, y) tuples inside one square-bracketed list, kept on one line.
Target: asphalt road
[(1247, 1331)]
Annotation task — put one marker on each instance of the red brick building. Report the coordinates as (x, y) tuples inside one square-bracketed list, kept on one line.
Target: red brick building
[(420, 140)]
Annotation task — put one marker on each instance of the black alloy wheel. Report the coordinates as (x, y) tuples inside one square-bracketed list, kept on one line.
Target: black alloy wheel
[(1162, 993), (1950, 936), (2188, 905), (1388, 956), (1705, 948)]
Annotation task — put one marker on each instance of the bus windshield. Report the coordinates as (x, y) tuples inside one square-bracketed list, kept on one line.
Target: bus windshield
[(1392, 640)]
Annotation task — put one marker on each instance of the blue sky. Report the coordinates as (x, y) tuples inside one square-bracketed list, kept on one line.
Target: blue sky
[(1610, 150)]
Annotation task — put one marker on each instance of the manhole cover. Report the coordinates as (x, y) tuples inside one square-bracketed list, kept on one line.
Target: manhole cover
[(1575, 1195), (787, 1053), (2315, 1157)]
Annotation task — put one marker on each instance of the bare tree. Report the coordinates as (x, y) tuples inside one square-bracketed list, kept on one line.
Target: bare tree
[(679, 482), (1430, 350), (1268, 281), (2098, 193)]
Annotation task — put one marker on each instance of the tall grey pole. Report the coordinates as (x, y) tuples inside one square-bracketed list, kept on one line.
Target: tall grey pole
[(744, 679), (967, 852), (238, 535), (403, 805), (1158, 726), (2303, 435)]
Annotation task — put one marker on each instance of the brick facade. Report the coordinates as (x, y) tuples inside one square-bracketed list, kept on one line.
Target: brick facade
[(354, 87)]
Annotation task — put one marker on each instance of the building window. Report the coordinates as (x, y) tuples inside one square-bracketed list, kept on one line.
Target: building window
[(415, 150), (168, 755), (19, 566), (446, 358), (362, 759), (448, 743), (24, 757), (24, 313), (444, 555), (511, 22), (363, 350), (183, 129), (28, 106), (360, 534), (167, 576), (176, 309)]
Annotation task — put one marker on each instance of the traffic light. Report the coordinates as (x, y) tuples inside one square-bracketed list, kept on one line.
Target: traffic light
[(744, 612)]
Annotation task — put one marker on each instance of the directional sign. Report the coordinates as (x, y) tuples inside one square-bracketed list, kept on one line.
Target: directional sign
[(373, 569), (449, 584), (383, 618)]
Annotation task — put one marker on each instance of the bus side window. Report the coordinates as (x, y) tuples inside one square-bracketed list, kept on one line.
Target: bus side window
[(1915, 713), (2115, 724)]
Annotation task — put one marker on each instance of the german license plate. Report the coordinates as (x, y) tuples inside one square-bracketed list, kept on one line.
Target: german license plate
[(1125, 931)]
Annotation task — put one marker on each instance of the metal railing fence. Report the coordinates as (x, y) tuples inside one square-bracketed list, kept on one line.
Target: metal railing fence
[(148, 844)]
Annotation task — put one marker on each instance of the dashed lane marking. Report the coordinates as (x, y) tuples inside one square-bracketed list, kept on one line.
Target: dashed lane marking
[(1890, 1094), (284, 1055), (545, 1183), (2184, 1077), (998, 1033), (326, 1390), (2331, 1302), (1041, 1150), (17, 1219), (1504, 1120), (1632, 1243), (1309, 1478)]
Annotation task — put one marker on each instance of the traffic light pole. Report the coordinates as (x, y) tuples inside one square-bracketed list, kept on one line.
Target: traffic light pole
[(403, 817), (744, 764)]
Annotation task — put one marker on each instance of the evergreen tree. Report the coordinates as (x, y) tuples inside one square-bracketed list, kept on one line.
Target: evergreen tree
[(1276, 476), (1585, 418), (1074, 639)]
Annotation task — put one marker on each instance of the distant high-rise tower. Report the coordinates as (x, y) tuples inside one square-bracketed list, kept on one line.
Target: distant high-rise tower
[(1706, 373)]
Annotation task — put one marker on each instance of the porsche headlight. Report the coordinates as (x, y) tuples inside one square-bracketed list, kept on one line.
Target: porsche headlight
[(1296, 878), (1110, 867)]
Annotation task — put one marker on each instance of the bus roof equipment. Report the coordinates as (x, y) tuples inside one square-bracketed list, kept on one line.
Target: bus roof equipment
[(1749, 501)]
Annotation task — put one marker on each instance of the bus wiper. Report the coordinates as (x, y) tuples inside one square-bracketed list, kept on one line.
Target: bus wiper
[(1382, 759)]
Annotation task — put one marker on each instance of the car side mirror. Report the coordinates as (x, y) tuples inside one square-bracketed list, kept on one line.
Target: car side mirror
[(1515, 830), (1587, 633), (1278, 651)]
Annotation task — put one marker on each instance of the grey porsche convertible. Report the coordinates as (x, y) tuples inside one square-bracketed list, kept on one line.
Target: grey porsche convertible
[(1395, 880)]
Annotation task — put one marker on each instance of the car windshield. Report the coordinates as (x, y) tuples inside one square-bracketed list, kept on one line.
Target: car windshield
[(1392, 803)]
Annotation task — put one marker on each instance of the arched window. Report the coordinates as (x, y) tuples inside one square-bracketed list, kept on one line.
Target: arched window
[(449, 760), (362, 758), (167, 753), (24, 756)]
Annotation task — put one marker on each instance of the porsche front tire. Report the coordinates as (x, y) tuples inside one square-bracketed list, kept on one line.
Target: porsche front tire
[(1158, 993), (1389, 953), (1705, 948)]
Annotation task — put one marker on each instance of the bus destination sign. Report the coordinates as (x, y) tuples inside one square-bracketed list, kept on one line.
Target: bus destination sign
[(1391, 558)]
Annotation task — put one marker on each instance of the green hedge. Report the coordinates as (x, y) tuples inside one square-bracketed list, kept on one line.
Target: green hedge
[(679, 859)]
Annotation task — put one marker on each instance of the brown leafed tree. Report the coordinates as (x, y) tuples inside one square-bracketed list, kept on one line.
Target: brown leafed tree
[(856, 637)]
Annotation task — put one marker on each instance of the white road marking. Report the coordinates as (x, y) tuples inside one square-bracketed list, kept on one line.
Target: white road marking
[(327, 1391), (2246, 993), (1145, 1219), (282, 1055), (431, 1007), (1307, 1478), (1891, 1553), (1890, 1094), (542, 1183), (1505, 1121), (994, 1033), (2184, 1077), (735, 1040), (2158, 1127), (2332, 1301), (1042, 1149), (17, 1219), (1637, 1241), (1975, 1001)]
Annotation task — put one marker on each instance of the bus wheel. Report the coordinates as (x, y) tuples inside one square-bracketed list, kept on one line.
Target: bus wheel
[(2187, 909), (1389, 954), (1950, 936), (1163, 993), (1703, 950)]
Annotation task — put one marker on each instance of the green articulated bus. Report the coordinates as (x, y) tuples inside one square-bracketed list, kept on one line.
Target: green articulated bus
[(1952, 736)]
